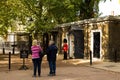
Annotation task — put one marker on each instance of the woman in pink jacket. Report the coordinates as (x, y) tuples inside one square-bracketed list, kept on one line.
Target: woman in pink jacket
[(36, 58)]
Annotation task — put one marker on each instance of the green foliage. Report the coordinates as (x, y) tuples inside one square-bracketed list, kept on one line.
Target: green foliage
[(45, 14), (10, 11)]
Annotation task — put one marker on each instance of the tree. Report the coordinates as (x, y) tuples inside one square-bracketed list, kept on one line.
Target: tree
[(40, 16), (86, 9), (10, 12)]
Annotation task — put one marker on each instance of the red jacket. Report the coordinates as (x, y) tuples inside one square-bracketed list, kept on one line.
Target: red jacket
[(65, 47)]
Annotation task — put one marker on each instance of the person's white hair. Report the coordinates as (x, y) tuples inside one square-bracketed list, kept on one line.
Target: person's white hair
[(51, 42)]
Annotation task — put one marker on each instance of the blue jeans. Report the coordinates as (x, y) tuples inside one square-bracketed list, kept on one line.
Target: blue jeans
[(52, 66), (37, 66)]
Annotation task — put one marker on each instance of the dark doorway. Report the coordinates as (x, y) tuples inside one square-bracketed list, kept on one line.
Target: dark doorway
[(96, 44), (78, 43)]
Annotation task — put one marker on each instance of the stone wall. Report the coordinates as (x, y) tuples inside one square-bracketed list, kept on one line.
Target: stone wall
[(109, 28)]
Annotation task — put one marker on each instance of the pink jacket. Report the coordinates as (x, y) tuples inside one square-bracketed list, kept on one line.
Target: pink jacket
[(35, 51)]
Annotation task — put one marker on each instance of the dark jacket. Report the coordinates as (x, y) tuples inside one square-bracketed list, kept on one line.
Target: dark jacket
[(51, 52)]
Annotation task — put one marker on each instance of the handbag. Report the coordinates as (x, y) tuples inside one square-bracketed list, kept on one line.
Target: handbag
[(41, 54)]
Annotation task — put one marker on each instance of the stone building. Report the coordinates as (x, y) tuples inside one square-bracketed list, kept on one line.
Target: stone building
[(98, 35)]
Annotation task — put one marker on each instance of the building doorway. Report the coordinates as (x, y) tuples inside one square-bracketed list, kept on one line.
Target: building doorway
[(96, 44)]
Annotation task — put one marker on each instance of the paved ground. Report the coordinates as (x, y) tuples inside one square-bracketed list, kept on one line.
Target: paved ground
[(73, 69), (63, 73)]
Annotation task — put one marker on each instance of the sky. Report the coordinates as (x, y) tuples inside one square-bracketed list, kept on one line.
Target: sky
[(109, 7)]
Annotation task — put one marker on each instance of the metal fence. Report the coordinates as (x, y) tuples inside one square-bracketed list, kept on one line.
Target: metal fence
[(6, 47)]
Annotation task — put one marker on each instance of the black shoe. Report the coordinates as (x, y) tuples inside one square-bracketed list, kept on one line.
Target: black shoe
[(34, 76), (50, 74), (54, 74), (39, 76)]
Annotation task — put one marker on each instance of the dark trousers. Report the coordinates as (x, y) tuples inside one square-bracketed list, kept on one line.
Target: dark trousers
[(37, 66), (65, 55), (52, 67)]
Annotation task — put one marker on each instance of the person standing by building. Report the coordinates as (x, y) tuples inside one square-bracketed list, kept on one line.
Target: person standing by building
[(36, 58), (51, 57), (65, 49)]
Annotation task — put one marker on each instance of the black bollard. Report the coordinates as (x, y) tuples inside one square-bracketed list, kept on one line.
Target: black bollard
[(90, 57), (3, 50), (9, 61), (115, 56)]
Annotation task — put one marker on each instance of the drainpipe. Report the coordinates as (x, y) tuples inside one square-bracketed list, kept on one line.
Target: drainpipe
[(87, 40)]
